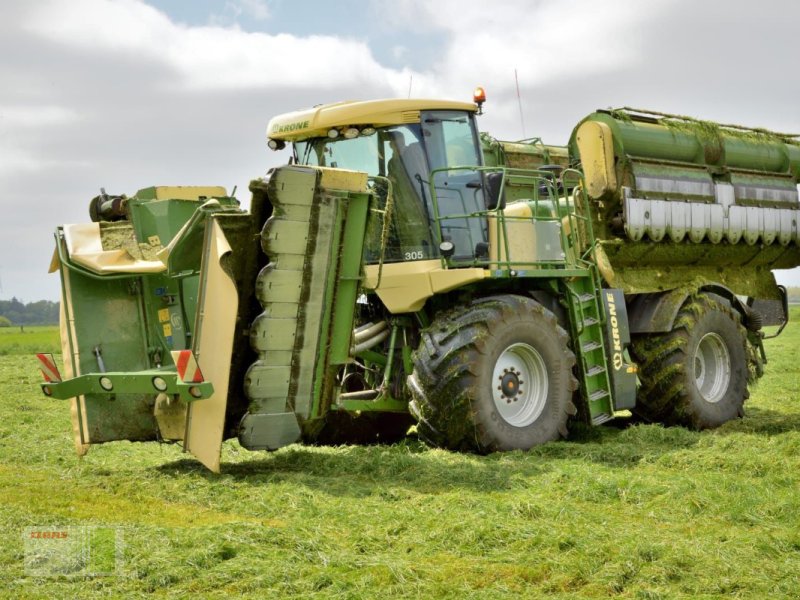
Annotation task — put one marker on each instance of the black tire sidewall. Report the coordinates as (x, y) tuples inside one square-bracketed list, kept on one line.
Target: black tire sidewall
[(495, 431)]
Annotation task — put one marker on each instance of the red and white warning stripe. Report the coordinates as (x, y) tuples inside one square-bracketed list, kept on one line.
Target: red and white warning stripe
[(49, 368), (188, 369)]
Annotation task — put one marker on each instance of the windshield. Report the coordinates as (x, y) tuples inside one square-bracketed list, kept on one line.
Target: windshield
[(357, 154), (402, 158)]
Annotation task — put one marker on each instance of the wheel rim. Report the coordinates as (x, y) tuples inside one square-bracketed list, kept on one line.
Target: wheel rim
[(520, 385), (712, 367)]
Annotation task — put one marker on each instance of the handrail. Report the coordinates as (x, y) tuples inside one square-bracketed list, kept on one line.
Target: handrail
[(385, 221), (544, 187)]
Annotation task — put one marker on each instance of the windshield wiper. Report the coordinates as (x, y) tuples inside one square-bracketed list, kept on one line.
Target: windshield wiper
[(440, 120)]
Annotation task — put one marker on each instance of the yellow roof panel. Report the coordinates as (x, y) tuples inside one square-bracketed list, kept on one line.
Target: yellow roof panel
[(317, 121)]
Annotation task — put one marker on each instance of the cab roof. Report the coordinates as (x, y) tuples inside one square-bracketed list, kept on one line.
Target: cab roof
[(317, 121)]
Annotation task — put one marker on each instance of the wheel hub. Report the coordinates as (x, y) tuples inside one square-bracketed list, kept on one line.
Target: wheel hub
[(712, 368), (520, 385), (510, 384)]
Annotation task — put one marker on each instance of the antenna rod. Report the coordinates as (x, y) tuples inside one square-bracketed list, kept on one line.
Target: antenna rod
[(410, 81), (519, 101)]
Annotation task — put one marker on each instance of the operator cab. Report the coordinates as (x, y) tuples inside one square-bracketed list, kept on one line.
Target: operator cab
[(421, 158)]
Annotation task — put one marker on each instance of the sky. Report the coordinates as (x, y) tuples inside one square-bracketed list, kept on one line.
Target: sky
[(125, 94)]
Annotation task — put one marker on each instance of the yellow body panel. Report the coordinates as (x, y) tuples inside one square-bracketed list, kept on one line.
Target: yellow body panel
[(317, 121), (343, 179), (85, 247), (170, 414), (596, 147), (77, 406), (189, 192), (604, 266), (213, 347), (520, 232), (404, 287), (521, 229), (444, 280)]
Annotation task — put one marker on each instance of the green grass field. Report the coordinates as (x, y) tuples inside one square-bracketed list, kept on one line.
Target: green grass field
[(640, 512), (29, 340)]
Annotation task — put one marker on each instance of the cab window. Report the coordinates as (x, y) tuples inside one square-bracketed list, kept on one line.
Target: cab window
[(451, 141)]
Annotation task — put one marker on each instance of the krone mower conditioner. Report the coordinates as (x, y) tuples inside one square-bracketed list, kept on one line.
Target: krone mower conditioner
[(404, 269)]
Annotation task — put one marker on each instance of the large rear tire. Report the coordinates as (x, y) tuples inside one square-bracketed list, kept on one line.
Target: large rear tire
[(695, 375), (495, 375)]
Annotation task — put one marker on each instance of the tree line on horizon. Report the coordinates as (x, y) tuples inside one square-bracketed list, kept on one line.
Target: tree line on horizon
[(15, 312)]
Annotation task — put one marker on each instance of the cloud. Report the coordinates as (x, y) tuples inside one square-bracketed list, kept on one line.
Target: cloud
[(118, 94), (257, 9), (234, 10), (212, 57), (120, 25), (399, 52), (544, 41), (22, 128), (22, 116), (553, 46)]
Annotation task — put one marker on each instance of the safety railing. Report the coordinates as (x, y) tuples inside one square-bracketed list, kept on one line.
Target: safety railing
[(535, 196), (527, 197)]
